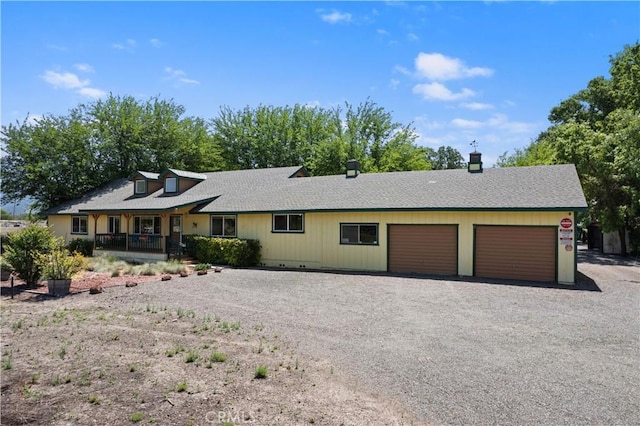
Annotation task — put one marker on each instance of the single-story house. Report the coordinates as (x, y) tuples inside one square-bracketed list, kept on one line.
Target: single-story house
[(513, 223)]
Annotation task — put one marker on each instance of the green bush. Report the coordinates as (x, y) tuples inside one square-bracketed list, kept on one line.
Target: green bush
[(58, 263), (225, 251), (25, 247), (82, 246)]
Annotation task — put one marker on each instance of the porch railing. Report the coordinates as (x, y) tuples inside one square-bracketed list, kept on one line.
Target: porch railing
[(145, 243), (111, 242), (141, 243)]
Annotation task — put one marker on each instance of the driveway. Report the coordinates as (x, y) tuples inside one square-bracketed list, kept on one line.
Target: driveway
[(452, 352)]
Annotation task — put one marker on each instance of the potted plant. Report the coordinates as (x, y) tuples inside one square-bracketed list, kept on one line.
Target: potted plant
[(5, 269), (59, 266)]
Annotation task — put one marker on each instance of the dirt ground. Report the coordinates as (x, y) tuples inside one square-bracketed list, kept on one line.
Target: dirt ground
[(80, 360)]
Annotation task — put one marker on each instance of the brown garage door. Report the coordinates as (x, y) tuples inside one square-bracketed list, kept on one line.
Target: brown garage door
[(515, 252), (424, 249)]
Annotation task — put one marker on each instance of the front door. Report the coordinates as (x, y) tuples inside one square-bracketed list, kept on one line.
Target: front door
[(176, 228)]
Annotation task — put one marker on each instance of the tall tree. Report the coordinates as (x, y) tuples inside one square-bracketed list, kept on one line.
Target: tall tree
[(321, 139), (62, 157), (598, 130), (447, 157)]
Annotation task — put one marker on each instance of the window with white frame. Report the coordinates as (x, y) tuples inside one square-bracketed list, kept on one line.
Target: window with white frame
[(170, 184), (359, 233), (113, 226), (290, 222), (146, 225), (79, 225), (223, 225), (140, 186)]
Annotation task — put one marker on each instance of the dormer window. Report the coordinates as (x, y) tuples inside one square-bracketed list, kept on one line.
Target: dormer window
[(170, 184), (140, 186)]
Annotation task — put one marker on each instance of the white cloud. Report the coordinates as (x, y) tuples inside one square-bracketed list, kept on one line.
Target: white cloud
[(476, 106), (65, 80), (412, 37), (439, 92), (436, 66), (129, 45), (466, 124), (336, 17), (382, 32), (92, 92), (394, 83), (83, 67), (402, 70), (156, 43), (178, 76), (57, 47), (70, 81)]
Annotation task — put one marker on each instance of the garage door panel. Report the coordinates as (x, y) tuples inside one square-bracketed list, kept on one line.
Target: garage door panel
[(516, 252), (426, 249)]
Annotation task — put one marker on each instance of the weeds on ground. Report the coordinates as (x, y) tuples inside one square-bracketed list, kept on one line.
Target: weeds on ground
[(120, 267), (261, 372), (136, 417)]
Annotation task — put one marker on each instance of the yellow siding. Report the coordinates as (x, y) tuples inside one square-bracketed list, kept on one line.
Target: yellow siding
[(319, 245)]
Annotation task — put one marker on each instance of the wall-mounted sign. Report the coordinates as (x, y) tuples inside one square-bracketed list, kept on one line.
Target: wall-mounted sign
[(566, 222)]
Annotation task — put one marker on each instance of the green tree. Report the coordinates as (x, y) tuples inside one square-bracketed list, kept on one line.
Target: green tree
[(60, 158), (321, 139), (446, 157), (5, 215), (598, 130)]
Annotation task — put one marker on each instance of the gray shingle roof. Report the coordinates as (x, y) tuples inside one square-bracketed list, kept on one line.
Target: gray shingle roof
[(186, 174), (268, 190), (148, 175)]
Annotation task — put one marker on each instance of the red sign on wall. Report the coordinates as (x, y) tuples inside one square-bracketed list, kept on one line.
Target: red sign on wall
[(566, 222)]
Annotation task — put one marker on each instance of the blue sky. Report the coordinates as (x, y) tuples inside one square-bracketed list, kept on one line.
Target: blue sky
[(460, 71)]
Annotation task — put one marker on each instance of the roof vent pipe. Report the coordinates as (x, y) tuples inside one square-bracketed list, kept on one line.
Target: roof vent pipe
[(353, 169)]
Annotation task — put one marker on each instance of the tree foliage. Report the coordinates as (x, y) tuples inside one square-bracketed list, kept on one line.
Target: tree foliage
[(63, 157), (321, 139), (446, 157), (598, 130)]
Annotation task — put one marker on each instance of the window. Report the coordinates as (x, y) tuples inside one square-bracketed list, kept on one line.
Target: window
[(146, 225), (288, 222), (141, 186), (114, 225), (359, 233), (223, 226), (79, 225), (171, 184)]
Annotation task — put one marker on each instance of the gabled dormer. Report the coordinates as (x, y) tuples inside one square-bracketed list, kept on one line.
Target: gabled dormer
[(177, 181), (145, 183)]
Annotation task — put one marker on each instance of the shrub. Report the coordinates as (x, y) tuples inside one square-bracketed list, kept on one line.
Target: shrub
[(82, 246), (225, 251), (59, 264), (24, 248)]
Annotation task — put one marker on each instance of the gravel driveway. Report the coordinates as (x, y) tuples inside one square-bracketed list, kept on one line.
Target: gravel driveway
[(452, 352)]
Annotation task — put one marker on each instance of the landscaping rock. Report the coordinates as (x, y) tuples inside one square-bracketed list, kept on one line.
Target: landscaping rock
[(131, 284), (202, 272), (184, 274), (217, 269), (96, 289), (166, 277)]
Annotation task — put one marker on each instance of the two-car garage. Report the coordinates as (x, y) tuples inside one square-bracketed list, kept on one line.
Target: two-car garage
[(504, 252)]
